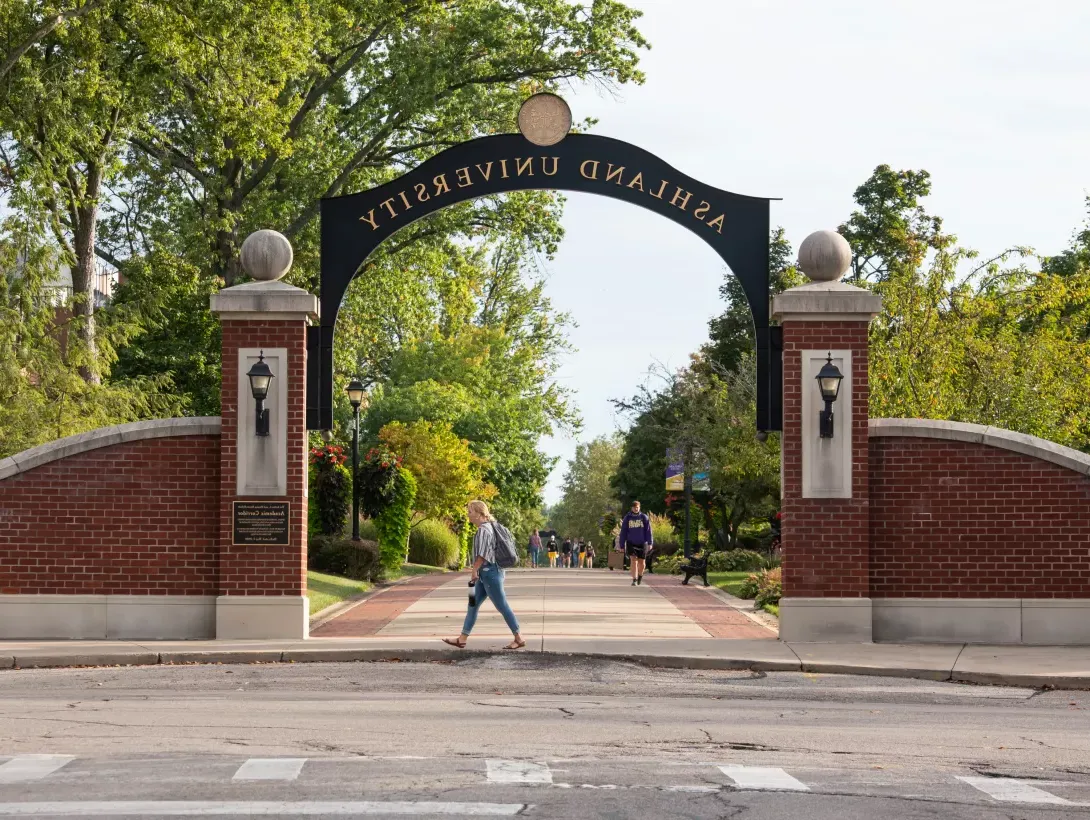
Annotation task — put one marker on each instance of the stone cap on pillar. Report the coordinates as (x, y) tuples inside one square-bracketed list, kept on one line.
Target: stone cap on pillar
[(824, 256), (266, 255)]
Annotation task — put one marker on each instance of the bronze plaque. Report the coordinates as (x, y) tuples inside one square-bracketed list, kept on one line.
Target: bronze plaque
[(261, 522)]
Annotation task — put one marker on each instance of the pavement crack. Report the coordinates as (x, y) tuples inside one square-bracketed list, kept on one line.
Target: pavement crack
[(567, 712), (708, 735)]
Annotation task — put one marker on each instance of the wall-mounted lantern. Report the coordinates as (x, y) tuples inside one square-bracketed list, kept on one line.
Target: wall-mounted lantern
[(260, 378), (828, 378)]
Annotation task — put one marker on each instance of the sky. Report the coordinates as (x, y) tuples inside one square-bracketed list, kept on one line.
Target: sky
[(802, 100)]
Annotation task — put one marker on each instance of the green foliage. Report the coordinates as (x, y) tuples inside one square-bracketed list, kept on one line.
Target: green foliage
[(330, 491), (669, 565), (394, 521), (345, 557), (432, 544), (377, 478), (748, 588), (735, 560), (463, 529), (587, 494), (663, 533), (448, 474), (368, 530)]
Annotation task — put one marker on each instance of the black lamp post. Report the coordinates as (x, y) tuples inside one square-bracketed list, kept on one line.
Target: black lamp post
[(260, 378), (357, 393), (828, 378)]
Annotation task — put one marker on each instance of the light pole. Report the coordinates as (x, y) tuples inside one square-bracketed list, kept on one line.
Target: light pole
[(356, 395)]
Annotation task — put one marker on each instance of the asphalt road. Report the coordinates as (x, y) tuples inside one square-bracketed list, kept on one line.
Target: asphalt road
[(535, 737)]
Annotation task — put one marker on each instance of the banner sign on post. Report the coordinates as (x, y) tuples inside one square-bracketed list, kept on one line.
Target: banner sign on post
[(675, 471)]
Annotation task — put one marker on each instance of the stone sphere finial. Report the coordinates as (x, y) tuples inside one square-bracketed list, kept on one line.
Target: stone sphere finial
[(824, 256), (266, 255)]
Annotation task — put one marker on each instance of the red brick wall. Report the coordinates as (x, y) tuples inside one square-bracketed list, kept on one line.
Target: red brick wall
[(264, 570), (131, 519), (952, 519), (825, 540)]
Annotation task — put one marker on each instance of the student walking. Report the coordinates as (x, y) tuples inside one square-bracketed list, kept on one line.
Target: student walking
[(552, 551), (636, 539), (565, 553), (589, 558), (535, 548), (487, 578)]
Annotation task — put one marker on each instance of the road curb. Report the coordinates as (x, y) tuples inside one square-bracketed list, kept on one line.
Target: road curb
[(421, 654)]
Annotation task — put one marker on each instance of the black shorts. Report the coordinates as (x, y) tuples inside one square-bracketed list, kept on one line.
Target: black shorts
[(636, 551)]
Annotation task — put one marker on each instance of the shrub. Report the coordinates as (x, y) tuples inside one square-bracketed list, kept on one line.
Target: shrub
[(735, 561), (392, 523), (330, 492), (670, 565), (377, 477), (464, 531), (769, 587), (368, 531), (748, 587), (662, 531), (431, 543), (345, 557)]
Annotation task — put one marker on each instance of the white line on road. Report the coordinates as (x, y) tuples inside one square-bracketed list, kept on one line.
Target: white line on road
[(32, 767), (270, 768), (763, 778), (219, 808), (518, 771), (1011, 790)]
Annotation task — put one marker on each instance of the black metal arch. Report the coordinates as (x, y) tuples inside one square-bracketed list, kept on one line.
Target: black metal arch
[(353, 226)]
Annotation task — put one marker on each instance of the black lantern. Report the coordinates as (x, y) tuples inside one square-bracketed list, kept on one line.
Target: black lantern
[(357, 396), (260, 378), (828, 378)]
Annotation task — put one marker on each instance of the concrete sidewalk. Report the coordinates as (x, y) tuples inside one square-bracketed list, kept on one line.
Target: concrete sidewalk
[(1033, 666)]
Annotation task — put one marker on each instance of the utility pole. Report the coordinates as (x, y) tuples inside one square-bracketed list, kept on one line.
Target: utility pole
[(688, 467)]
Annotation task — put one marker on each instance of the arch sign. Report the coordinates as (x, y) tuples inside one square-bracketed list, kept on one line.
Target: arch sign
[(545, 156)]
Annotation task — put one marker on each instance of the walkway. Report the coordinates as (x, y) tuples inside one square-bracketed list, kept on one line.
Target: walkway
[(550, 604)]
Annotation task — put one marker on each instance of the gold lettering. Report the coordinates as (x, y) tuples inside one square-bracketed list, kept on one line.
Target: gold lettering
[(404, 199), (678, 195), (610, 173), (701, 209), (388, 205), (521, 166), (422, 194), (717, 223), (583, 169), (548, 173), (441, 186), (370, 219), (503, 168), (463, 178), (486, 172), (658, 194), (637, 181)]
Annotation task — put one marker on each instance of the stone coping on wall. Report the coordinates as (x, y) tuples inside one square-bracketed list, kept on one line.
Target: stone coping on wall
[(106, 437), (982, 434)]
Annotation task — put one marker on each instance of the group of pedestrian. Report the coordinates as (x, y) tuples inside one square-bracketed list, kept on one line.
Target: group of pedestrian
[(565, 554)]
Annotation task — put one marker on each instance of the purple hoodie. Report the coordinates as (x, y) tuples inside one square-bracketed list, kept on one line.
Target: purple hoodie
[(635, 529)]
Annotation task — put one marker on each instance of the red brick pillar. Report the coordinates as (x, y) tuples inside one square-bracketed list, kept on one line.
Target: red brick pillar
[(263, 484), (826, 520)]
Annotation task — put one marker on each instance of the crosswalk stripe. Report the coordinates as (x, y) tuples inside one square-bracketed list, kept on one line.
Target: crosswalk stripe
[(763, 778), (270, 768), (1012, 790), (219, 808), (32, 767), (518, 771)]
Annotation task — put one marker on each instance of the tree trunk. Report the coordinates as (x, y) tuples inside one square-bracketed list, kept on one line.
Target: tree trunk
[(83, 285)]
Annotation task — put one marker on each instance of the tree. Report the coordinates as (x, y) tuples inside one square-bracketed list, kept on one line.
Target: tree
[(586, 492), (448, 474)]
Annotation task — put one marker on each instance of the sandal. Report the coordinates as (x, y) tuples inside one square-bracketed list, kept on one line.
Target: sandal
[(455, 642), (516, 644)]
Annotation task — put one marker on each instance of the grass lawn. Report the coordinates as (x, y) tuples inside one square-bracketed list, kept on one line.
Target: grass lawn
[(729, 581), (326, 590)]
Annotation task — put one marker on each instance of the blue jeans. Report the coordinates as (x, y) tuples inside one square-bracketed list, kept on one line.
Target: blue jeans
[(490, 585), (534, 553)]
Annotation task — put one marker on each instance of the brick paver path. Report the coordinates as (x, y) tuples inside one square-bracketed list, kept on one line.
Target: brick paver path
[(380, 609), (550, 604), (713, 615)]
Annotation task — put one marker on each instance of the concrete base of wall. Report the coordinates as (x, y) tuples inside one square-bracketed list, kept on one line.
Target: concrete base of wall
[(122, 617), (832, 620), (1039, 621), (262, 616)]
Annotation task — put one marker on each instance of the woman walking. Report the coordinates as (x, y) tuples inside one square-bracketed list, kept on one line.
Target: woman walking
[(487, 579), (535, 548)]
